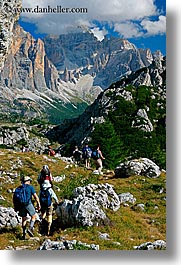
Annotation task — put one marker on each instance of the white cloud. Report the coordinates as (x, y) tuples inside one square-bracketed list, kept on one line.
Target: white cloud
[(119, 13), (128, 30), (154, 27)]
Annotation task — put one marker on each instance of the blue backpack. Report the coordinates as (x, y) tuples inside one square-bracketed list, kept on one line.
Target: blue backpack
[(87, 152), (95, 154), (45, 198), (21, 197)]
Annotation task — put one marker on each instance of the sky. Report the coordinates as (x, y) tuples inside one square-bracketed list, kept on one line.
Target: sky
[(142, 22)]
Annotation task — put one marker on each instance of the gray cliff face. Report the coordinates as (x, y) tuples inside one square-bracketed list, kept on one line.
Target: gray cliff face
[(81, 53), (7, 20), (27, 66), (31, 79)]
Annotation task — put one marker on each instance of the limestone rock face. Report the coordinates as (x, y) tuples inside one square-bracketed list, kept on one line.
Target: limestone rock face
[(13, 136), (8, 17), (29, 81), (142, 167), (78, 54), (9, 218), (87, 206), (27, 66)]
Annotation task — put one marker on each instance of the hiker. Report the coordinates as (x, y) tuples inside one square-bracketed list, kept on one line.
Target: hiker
[(86, 154), (45, 174), (77, 155), (23, 204), (46, 195), (51, 152), (24, 149), (98, 157)]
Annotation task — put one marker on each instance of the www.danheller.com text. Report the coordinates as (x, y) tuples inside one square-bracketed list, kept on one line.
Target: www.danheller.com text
[(49, 9)]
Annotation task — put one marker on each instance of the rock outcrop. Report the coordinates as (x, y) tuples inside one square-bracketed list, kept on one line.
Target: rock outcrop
[(67, 245), (19, 134), (142, 167), (87, 206), (9, 218), (156, 245), (8, 17)]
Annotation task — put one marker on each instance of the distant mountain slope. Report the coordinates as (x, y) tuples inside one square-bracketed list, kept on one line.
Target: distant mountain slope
[(139, 97)]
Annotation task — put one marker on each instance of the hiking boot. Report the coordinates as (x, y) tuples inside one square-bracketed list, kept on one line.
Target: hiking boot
[(30, 231)]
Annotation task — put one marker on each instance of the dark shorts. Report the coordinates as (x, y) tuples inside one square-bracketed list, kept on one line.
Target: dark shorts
[(27, 209)]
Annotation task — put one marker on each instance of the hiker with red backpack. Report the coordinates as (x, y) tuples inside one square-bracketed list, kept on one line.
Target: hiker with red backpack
[(22, 200), (51, 152), (45, 174)]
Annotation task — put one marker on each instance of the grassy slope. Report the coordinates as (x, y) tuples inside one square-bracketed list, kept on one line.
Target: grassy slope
[(129, 227)]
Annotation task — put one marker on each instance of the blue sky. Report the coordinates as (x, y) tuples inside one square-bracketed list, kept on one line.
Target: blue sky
[(142, 22)]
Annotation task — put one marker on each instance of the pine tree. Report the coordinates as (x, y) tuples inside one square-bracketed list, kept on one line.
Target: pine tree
[(110, 144)]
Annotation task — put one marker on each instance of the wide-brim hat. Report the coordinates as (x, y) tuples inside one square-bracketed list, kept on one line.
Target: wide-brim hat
[(27, 178)]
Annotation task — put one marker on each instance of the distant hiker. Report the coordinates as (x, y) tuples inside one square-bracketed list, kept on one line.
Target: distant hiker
[(45, 174), (24, 149), (86, 154), (98, 157), (51, 152), (22, 200), (46, 195), (77, 155)]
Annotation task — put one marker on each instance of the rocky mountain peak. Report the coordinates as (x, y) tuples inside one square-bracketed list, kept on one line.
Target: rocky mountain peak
[(66, 71), (81, 53)]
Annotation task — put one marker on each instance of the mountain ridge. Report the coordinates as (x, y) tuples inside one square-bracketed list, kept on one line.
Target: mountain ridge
[(153, 78), (32, 83)]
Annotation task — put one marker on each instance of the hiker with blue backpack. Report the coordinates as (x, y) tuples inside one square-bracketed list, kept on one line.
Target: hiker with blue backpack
[(98, 157), (86, 155), (46, 196), (22, 200)]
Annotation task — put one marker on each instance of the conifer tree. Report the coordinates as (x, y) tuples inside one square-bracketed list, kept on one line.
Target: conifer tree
[(111, 145)]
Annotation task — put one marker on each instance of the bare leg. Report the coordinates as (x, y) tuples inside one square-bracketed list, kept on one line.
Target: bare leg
[(24, 226)]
